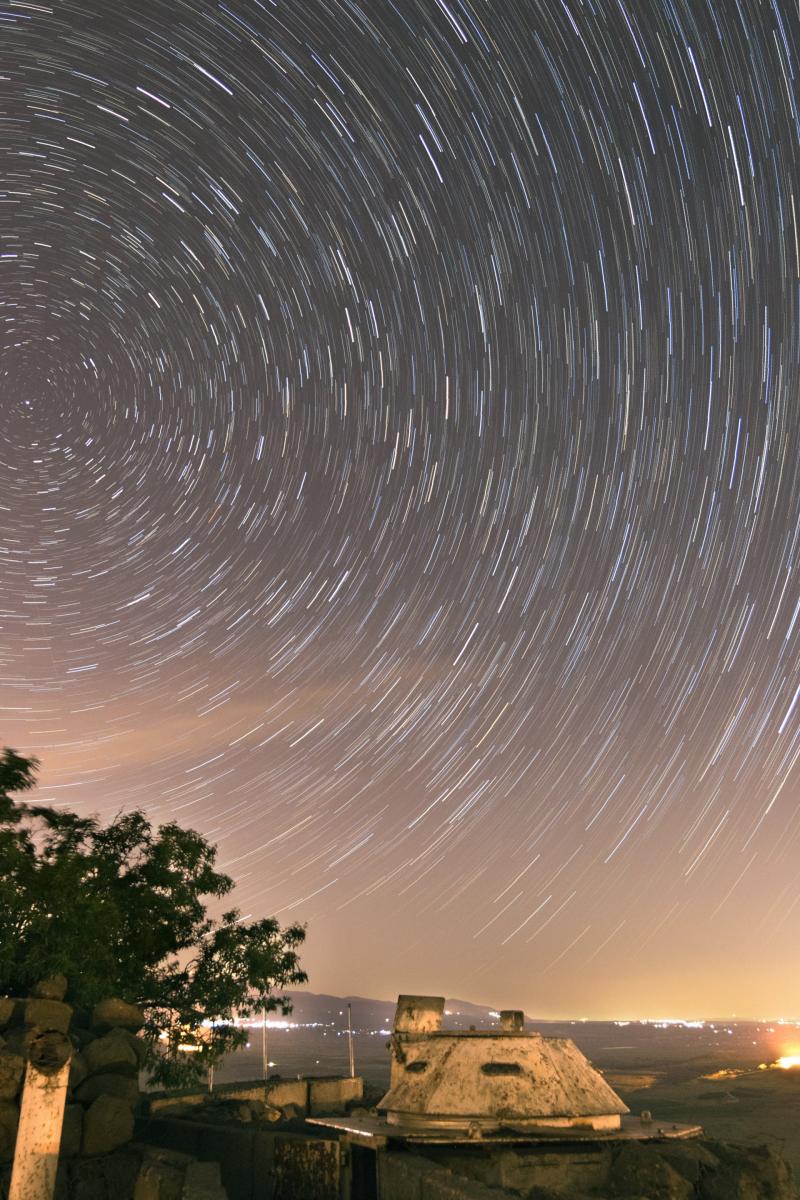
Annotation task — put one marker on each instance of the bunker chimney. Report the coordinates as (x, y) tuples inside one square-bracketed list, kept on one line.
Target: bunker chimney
[(512, 1020), (418, 1014)]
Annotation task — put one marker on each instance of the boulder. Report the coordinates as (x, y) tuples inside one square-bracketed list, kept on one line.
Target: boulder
[(137, 1044), (639, 1170), (748, 1173), (54, 988), (112, 1054), (124, 1087), (291, 1112), (691, 1158), (47, 1014), (159, 1181), (107, 1124), (161, 1175), (117, 1014), (11, 1069), (71, 1131), (7, 1006), (78, 1070), (9, 1120), (202, 1181), (110, 1177)]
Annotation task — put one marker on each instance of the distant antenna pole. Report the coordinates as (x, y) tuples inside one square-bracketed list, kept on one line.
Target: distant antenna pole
[(350, 1040), (264, 1055)]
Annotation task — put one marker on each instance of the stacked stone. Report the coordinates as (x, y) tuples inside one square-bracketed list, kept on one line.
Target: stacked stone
[(104, 1074)]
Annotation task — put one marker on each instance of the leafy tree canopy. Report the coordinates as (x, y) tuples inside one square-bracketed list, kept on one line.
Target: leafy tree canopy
[(120, 910)]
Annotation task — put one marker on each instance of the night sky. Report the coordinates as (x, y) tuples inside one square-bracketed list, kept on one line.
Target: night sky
[(399, 414)]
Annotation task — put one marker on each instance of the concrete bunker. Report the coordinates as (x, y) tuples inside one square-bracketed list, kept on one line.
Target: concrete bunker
[(484, 1081)]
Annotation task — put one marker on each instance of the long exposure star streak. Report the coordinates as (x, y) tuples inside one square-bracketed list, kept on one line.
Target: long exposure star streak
[(399, 433)]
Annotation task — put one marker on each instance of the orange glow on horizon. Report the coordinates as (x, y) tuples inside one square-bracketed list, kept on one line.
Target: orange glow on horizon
[(787, 1061)]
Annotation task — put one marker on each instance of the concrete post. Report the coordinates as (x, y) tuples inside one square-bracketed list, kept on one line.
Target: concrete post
[(33, 1176)]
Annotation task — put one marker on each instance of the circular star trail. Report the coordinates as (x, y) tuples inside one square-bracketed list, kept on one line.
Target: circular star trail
[(399, 441)]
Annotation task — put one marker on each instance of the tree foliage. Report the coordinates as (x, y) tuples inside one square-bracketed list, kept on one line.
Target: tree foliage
[(120, 910)]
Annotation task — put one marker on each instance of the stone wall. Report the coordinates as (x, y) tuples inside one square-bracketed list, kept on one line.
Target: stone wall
[(313, 1095), (256, 1163), (103, 1083)]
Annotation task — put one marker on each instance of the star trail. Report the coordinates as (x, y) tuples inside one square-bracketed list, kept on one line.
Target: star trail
[(399, 453)]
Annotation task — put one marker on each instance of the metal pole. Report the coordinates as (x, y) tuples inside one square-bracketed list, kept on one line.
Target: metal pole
[(264, 1055), (33, 1175), (350, 1040)]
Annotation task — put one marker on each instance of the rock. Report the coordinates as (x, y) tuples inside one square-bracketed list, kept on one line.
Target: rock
[(107, 1124), (291, 1112), (111, 1053), (78, 1070), (11, 1069), (137, 1044), (7, 1006), (18, 1041), (244, 1112), (748, 1173), (638, 1170), (159, 1181), (47, 1014), (86, 1180), (124, 1087), (9, 1120), (110, 1177), (71, 1131), (202, 1182), (691, 1158), (54, 988), (117, 1014), (161, 1175)]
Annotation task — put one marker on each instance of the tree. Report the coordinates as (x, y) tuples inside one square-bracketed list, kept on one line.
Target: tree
[(120, 910)]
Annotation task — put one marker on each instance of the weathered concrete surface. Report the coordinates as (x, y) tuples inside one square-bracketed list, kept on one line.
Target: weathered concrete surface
[(418, 1014), (278, 1094), (506, 1077), (306, 1167), (498, 1077), (247, 1154), (331, 1095), (33, 1176)]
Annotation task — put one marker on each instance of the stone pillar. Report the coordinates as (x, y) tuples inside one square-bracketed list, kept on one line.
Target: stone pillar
[(33, 1175)]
